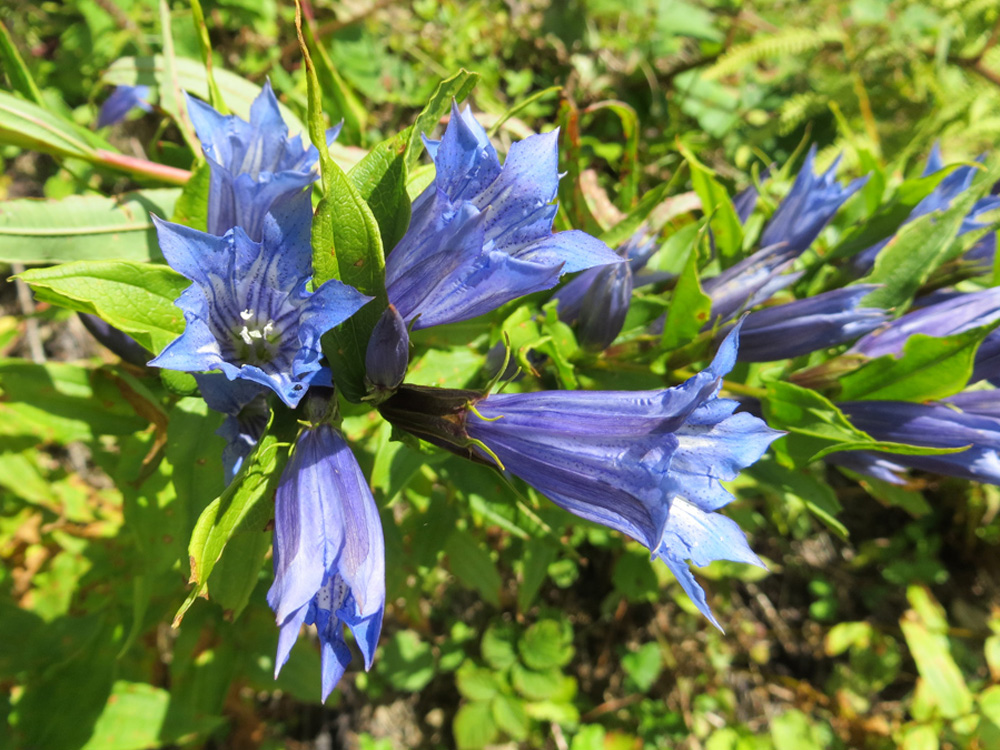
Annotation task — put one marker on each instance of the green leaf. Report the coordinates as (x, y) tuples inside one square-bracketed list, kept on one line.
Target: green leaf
[(793, 731), (546, 644), (510, 716), (407, 661), (472, 565), (628, 173), (380, 178), (930, 649), (476, 683), (132, 718), (455, 88), (538, 555), (205, 47), (15, 69), (643, 666), (26, 124), (474, 726), (689, 309), (818, 496), (58, 402), (84, 227), (930, 368), (241, 507), (715, 204), (191, 208), (138, 298), (918, 248), (499, 645), (237, 573)]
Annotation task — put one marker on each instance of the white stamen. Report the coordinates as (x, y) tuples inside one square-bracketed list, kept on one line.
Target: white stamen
[(246, 314), (245, 335), (269, 327)]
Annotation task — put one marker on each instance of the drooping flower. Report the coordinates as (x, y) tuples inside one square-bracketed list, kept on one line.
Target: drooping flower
[(481, 234), (255, 166), (117, 341), (329, 554), (649, 464), (248, 311), (123, 99), (807, 209), (808, 325), (932, 425)]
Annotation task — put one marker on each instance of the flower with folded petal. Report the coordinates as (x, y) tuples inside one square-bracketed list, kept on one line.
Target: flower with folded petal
[(329, 554), (481, 234), (808, 325), (248, 311), (254, 165)]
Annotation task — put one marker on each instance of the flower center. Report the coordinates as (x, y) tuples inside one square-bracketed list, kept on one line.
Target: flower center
[(256, 340)]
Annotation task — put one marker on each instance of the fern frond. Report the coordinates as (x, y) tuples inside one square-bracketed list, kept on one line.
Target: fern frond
[(783, 44)]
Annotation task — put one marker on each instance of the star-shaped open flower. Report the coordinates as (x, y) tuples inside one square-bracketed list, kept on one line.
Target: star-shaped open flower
[(248, 311), (254, 165), (481, 234)]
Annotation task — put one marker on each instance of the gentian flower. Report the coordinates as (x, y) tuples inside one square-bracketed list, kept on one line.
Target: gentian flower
[(939, 199), (117, 341), (254, 165), (807, 325), (649, 464), (247, 310), (329, 553), (123, 99), (481, 234), (388, 351), (956, 313), (807, 209), (933, 425)]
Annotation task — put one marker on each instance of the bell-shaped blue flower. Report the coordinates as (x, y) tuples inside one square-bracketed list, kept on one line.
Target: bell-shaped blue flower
[(329, 553), (808, 325), (605, 306), (649, 464), (481, 235), (807, 209), (248, 311), (123, 99), (749, 282), (254, 165), (932, 425)]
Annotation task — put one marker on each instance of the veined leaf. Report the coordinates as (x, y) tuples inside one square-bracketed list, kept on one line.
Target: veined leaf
[(25, 124), (84, 227), (138, 298), (17, 72), (929, 368)]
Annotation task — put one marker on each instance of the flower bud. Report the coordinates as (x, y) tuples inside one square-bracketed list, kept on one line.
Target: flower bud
[(388, 351), (605, 306)]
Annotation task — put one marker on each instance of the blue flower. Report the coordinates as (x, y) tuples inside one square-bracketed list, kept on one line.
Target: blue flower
[(749, 282), (807, 209), (807, 325), (939, 199), (117, 341), (481, 234), (248, 312), (254, 165), (932, 425), (649, 464), (122, 101), (955, 313), (329, 553)]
